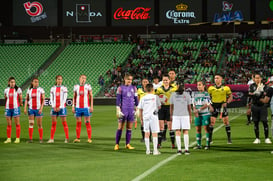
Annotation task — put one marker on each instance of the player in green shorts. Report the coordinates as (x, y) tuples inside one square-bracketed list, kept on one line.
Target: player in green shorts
[(201, 109)]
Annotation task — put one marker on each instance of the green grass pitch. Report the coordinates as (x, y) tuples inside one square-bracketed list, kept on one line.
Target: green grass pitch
[(241, 160)]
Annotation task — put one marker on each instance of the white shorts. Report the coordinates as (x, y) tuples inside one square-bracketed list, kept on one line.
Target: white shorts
[(151, 124), (181, 122)]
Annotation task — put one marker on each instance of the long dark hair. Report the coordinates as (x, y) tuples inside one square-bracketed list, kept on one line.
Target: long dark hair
[(181, 87), (57, 78), (31, 85), (12, 78)]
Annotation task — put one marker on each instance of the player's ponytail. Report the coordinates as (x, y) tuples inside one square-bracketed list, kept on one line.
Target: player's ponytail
[(10, 79), (181, 87)]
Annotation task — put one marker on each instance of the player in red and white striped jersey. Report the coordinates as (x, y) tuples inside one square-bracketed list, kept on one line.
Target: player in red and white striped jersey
[(58, 96), (13, 99), (35, 101), (83, 101)]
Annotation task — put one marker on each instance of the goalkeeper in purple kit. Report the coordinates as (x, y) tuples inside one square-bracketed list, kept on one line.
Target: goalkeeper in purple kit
[(126, 107)]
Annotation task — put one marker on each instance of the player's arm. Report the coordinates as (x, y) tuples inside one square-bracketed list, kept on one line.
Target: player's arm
[(74, 102), (91, 100), (52, 100), (141, 115), (171, 112), (229, 96), (65, 96), (189, 109), (118, 103), (268, 95), (42, 103), (26, 102)]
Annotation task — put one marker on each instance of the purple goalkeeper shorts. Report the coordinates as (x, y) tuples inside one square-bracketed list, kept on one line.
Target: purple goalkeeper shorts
[(128, 116)]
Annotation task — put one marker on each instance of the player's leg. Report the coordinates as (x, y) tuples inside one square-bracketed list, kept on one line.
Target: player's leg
[(186, 141), (226, 122), (264, 120), (165, 131), (9, 123), (256, 118), (78, 114), (88, 128), (205, 123), (146, 126), (18, 129), (121, 123), (248, 115), (53, 126), (214, 114), (186, 126), (161, 117), (128, 135), (198, 123), (66, 130), (176, 125), (172, 134), (31, 124), (40, 127), (154, 128)]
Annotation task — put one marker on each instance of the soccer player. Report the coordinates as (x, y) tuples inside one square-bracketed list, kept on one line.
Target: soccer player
[(164, 113), (172, 76), (248, 106), (141, 92), (259, 108), (180, 114), (201, 104), (83, 101), (125, 108), (148, 108), (58, 96), (221, 95), (35, 100), (13, 99), (156, 83)]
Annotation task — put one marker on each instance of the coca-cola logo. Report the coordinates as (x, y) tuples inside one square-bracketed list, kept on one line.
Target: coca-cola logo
[(139, 13)]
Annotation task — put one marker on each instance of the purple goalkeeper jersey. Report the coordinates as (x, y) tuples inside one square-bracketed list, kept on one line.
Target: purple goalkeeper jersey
[(127, 97)]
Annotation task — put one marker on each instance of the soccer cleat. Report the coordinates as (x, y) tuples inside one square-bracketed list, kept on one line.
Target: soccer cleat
[(128, 146), (267, 141), (206, 148), (116, 147), (41, 141), (187, 152), (7, 141), (173, 146), (30, 141), (156, 153), (76, 140), (148, 152), (66, 141), (229, 141), (17, 140), (89, 141), (198, 147), (179, 152), (257, 141), (50, 141)]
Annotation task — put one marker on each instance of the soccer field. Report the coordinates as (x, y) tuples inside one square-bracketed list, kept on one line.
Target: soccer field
[(241, 160)]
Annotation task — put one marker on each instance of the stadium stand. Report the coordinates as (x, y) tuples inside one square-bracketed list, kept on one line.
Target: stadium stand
[(22, 61), (91, 59)]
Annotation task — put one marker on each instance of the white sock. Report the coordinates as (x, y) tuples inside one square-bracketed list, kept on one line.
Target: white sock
[(178, 142), (186, 141), (147, 143), (155, 142)]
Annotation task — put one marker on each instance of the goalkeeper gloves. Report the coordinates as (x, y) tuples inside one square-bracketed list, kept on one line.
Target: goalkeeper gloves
[(119, 113)]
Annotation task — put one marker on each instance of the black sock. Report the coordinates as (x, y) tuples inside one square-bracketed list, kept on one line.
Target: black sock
[(210, 133), (172, 136), (165, 131), (142, 132), (228, 131), (265, 129), (248, 118), (256, 129), (160, 137)]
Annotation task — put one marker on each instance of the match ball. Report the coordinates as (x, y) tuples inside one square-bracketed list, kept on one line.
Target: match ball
[(163, 99)]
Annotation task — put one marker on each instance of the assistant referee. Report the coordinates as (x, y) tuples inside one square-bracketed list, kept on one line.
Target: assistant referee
[(220, 96)]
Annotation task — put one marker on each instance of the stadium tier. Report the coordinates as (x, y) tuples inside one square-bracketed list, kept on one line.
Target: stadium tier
[(91, 59), (22, 61)]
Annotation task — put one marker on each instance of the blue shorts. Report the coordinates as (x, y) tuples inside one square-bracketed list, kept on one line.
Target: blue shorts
[(12, 112), (79, 112), (34, 112), (61, 113)]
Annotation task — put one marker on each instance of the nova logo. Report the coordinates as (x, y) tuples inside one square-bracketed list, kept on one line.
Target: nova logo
[(227, 6), (35, 11), (83, 13)]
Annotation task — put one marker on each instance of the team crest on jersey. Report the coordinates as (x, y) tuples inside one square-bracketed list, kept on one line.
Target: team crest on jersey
[(11, 94), (57, 94), (33, 95), (81, 92), (129, 94)]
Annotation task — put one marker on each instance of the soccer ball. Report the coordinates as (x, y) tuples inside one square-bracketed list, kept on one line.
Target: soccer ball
[(163, 99)]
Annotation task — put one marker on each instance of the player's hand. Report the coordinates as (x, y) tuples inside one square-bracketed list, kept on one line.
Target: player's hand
[(73, 110), (190, 119), (141, 121), (56, 109), (25, 111), (91, 109), (248, 112), (119, 113), (137, 113), (40, 111)]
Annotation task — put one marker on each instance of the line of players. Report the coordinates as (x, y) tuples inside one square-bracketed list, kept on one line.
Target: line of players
[(82, 107)]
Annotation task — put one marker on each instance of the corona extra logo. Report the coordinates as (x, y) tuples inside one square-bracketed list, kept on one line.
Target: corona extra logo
[(181, 7)]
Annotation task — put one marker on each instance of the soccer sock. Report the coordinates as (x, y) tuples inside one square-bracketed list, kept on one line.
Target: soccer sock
[(9, 131), (88, 129), (256, 129), (128, 136), (40, 133), (65, 129), (53, 129), (78, 129), (207, 139), (165, 131), (18, 131), (142, 131), (265, 129), (172, 136), (160, 137), (118, 135), (30, 132), (210, 132), (147, 143), (155, 140), (198, 138), (248, 118), (178, 142), (186, 141), (228, 131)]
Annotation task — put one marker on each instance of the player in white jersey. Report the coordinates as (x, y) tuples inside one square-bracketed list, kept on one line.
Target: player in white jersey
[(58, 96), (35, 101), (13, 99), (148, 108), (83, 101), (180, 112)]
